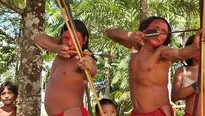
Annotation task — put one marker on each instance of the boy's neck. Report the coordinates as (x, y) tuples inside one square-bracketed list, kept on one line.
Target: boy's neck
[(148, 47), (9, 108)]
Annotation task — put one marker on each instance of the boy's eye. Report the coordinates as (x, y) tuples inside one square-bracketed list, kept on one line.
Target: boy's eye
[(10, 93)]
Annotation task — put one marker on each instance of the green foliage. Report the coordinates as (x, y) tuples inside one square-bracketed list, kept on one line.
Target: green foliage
[(54, 20), (10, 29), (7, 52), (179, 112), (18, 3)]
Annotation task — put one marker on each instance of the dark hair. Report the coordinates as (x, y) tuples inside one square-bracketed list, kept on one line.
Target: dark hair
[(103, 101), (190, 40), (10, 86), (145, 23), (80, 27)]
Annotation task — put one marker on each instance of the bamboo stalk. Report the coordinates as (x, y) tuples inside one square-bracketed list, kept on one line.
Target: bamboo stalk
[(202, 86)]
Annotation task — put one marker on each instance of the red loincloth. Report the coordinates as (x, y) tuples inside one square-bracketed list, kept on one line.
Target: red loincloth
[(157, 112), (84, 112)]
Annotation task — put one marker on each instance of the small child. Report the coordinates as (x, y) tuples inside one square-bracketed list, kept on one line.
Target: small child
[(9, 92), (108, 107)]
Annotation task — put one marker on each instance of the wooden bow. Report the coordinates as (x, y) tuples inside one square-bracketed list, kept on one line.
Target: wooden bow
[(201, 73), (67, 16)]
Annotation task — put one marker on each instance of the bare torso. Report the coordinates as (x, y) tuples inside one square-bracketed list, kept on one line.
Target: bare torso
[(65, 88), (148, 78), (7, 113), (190, 100)]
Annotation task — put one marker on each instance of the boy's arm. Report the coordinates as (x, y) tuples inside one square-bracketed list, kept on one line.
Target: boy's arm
[(93, 70), (178, 92), (179, 54), (127, 39), (184, 53), (47, 42), (52, 44)]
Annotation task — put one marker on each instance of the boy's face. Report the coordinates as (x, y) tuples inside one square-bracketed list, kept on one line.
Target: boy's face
[(67, 40), (161, 27), (7, 97), (109, 110)]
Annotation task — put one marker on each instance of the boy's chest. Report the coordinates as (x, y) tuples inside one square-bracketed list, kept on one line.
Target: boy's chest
[(66, 65), (8, 113), (143, 60), (147, 62)]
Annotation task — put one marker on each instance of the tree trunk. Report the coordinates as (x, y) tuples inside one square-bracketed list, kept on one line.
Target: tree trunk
[(29, 99), (88, 100), (143, 10)]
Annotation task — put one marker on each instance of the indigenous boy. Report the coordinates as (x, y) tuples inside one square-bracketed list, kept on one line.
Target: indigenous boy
[(108, 107), (149, 65), (184, 85), (9, 93), (65, 89)]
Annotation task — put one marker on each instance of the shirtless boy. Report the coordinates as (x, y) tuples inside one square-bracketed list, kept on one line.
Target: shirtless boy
[(149, 65), (184, 85), (9, 93), (65, 89)]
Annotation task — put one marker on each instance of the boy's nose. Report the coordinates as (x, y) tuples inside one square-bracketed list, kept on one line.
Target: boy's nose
[(70, 42), (6, 95)]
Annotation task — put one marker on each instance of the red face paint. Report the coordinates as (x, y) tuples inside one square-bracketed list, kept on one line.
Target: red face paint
[(67, 40), (161, 27)]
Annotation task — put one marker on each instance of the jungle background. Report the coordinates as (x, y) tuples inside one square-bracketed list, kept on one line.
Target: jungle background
[(24, 63)]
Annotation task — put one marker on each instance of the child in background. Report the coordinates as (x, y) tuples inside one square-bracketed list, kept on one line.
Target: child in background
[(108, 107), (9, 92)]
